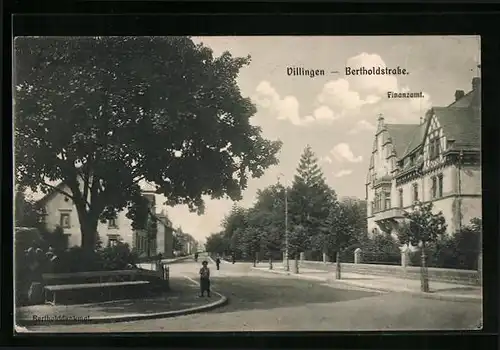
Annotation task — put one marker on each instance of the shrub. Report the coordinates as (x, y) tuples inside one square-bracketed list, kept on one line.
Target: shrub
[(457, 252), (77, 259), (118, 257), (382, 248)]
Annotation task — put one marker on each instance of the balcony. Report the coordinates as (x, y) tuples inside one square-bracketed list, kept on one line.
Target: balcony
[(385, 180), (389, 214)]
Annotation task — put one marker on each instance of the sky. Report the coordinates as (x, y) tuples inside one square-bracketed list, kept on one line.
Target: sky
[(335, 114)]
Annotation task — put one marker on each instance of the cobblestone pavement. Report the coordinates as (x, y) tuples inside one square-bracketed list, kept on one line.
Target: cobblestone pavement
[(260, 301)]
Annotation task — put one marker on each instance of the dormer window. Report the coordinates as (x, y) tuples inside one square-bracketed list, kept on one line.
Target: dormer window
[(434, 147)]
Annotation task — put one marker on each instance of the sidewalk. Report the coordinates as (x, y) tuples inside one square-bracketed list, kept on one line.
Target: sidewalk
[(182, 299), (439, 290)]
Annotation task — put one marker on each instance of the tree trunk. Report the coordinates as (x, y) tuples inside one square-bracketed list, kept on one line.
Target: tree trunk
[(270, 263), (255, 260), (338, 267), (296, 263), (424, 278), (88, 227)]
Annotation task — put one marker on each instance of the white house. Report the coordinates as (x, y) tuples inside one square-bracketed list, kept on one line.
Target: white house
[(437, 160), (58, 209)]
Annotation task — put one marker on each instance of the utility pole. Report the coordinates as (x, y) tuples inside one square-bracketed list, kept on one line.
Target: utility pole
[(460, 160), (287, 260)]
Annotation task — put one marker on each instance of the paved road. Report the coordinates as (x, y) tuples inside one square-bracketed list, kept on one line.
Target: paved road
[(261, 301)]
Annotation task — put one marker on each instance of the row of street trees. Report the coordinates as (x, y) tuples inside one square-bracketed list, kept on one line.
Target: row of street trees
[(314, 220), (102, 114), (308, 217)]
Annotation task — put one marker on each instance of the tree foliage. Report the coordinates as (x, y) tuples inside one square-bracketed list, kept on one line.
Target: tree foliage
[(424, 225), (311, 204), (25, 211), (104, 113)]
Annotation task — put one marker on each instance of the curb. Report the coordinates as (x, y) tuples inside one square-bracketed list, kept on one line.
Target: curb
[(431, 295), (127, 318)]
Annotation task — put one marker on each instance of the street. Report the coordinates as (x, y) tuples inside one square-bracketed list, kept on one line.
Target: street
[(261, 301)]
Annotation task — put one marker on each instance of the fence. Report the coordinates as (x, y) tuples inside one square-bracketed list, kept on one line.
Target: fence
[(467, 277)]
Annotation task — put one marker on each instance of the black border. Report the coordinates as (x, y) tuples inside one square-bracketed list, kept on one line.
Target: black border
[(277, 19)]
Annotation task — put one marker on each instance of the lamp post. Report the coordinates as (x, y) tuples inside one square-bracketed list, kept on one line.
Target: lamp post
[(287, 261), (460, 162)]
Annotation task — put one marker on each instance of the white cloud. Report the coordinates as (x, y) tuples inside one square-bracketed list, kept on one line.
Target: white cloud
[(343, 172), (342, 152), (322, 114), (362, 125), (326, 159), (286, 108), (357, 95), (371, 84), (338, 95)]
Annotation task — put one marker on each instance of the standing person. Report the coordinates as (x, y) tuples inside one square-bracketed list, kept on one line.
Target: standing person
[(196, 257), (217, 262), (233, 257), (205, 279)]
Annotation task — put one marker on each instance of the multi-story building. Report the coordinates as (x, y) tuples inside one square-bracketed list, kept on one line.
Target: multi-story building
[(58, 210), (437, 160)]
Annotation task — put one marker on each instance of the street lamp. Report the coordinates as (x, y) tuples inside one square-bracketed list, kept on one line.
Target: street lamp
[(287, 261)]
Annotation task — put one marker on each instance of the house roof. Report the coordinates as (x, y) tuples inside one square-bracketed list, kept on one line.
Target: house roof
[(50, 194), (461, 125), (400, 134), (460, 121)]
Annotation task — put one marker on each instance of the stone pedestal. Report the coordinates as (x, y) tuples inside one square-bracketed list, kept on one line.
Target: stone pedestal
[(35, 293), (357, 256), (294, 265), (325, 258), (301, 257)]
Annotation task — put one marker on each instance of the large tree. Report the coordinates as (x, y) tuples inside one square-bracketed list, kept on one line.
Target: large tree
[(310, 200), (104, 113)]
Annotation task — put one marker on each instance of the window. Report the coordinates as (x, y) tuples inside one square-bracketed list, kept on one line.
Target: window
[(440, 185), (112, 223), (65, 220), (434, 148), (387, 204), (433, 187), (415, 192), (401, 198)]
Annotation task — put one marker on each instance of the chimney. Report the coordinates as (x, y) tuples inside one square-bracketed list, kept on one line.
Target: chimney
[(476, 83), (459, 94)]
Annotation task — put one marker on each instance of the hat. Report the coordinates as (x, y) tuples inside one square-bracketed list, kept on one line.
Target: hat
[(204, 262)]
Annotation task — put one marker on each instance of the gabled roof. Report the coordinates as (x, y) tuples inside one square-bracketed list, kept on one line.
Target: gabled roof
[(460, 121), (400, 134), (416, 139), (50, 194), (461, 125)]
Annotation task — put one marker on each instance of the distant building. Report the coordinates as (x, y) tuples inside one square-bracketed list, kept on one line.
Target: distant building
[(435, 161), (57, 209)]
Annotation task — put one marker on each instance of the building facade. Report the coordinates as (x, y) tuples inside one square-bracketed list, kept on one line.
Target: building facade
[(437, 160), (58, 210)]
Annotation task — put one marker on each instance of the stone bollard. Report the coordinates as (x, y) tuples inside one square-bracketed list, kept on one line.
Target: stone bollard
[(302, 257), (405, 257), (325, 258), (35, 293), (357, 256)]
